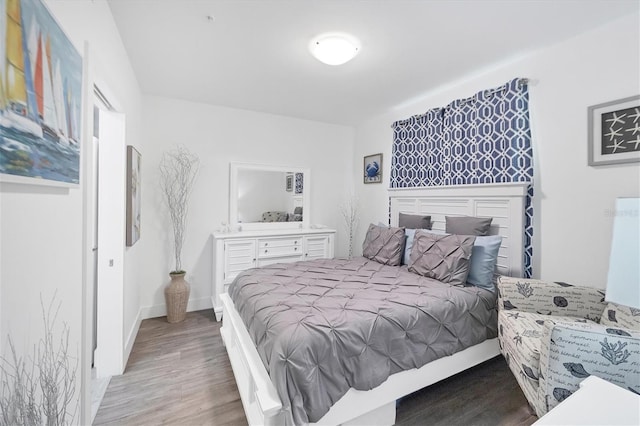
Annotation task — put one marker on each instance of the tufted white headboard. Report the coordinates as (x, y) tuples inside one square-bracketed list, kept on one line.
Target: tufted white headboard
[(505, 203)]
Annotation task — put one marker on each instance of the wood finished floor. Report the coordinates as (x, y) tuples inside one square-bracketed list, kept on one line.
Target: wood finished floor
[(179, 374)]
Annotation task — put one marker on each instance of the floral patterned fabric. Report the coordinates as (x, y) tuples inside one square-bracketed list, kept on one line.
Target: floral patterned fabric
[(550, 336)]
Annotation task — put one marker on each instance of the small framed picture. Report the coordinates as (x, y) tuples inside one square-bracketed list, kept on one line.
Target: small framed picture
[(614, 132), (289, 182), (134, 200), (373, 168)]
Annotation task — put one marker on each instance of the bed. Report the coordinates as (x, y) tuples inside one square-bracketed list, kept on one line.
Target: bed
[(404, 372)]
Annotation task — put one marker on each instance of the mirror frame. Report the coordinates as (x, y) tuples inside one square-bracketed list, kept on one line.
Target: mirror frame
[(235, 167)]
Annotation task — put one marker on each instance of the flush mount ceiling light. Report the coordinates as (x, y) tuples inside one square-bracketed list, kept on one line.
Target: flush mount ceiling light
[(334, 48)]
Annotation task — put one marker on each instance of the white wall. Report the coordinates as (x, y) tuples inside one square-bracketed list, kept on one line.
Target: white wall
[(572, 227), (93, 21), (41, 228), (220, 135)]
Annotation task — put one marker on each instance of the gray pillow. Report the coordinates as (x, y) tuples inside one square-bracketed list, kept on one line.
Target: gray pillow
[(293, 217), (384, 245), (441, 257), (468, 225), (274, 216), (414, 221)]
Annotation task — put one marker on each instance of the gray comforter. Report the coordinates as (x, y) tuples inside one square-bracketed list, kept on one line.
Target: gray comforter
[(324, 326)]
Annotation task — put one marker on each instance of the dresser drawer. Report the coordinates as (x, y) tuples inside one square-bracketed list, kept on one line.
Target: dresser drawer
[(279, 242), (278, 247), (272, 260)]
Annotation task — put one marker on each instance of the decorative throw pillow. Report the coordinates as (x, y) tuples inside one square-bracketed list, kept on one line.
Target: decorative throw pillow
[(294, 217), (384, 245), (484, 257), (441, 257), (483, 261), (411, 222), (274, 216), (468, 225), (414, 221), (616, 315), (408, 244)]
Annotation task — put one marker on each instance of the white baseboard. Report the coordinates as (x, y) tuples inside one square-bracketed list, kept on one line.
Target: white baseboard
[(155, 311), (131, 338)]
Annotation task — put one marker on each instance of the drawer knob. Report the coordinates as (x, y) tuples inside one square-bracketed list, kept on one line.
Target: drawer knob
[(295, 248), (266, 244), (295, 242), (266, 251)]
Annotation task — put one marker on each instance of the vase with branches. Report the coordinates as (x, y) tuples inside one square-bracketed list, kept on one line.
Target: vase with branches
[(178, 170)]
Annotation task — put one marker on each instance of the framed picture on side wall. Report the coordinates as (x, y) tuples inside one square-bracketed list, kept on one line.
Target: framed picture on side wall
[(614, 132), (133, 195), (373, 168)]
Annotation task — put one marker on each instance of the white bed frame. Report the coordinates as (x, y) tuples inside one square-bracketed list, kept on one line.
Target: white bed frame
[(503, 202)]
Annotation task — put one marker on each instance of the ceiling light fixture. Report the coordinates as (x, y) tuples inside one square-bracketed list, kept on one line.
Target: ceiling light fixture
[(334, 48)]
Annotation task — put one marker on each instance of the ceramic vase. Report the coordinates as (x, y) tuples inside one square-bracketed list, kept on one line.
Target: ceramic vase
[(176, 295)]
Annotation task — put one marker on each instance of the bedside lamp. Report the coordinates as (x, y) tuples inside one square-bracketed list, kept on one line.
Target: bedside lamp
[(623, 281)]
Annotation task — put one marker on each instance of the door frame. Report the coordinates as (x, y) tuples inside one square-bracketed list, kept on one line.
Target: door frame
[(113, 350)]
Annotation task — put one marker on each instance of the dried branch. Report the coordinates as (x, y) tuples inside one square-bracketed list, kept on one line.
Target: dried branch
[(57, 377), (22, 402), (178, 170), (18, 394), (349, 211)]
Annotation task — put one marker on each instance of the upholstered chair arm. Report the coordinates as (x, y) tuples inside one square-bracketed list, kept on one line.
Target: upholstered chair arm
[(550, 298), (572, 351)]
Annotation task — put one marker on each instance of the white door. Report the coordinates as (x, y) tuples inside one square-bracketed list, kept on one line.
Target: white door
[(111, 236), (94, 246)]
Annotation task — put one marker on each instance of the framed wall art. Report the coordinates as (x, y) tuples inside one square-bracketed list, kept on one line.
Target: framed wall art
[(40, 98), (133, 195), (373, 168), (299, 183), (289, 182), (614, 132)]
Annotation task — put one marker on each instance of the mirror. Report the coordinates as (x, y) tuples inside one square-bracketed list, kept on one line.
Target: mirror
[(268, 197)]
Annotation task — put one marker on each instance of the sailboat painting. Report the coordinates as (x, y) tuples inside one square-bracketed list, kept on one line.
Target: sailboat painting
[(40, 96)]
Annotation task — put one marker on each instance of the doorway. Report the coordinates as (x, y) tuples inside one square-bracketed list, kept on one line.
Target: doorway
[(109, 233), (106, 241)]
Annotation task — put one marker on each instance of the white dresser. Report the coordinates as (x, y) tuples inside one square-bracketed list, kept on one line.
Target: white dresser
[(236, 251)]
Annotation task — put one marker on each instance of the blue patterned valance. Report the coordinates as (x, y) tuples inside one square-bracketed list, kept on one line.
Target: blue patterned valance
[(482, 139)]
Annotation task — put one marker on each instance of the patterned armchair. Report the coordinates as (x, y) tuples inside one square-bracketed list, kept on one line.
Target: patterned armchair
[(554, 335)]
